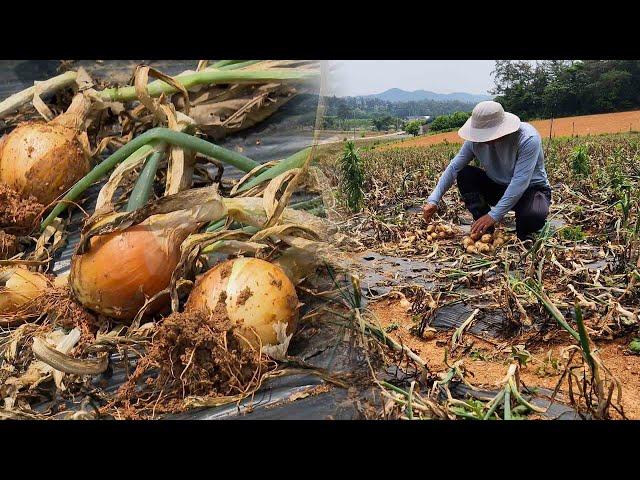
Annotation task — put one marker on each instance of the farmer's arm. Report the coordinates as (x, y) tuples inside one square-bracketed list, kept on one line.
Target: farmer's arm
[(464, 156), (522, 173)]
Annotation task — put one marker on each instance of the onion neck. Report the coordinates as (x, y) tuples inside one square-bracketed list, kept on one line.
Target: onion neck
[(76, 114)]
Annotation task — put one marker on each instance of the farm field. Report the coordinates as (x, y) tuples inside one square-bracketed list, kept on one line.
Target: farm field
[(561, 315), (620, 122)]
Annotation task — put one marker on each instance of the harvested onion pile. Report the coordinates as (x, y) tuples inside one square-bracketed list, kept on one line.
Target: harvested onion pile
[(440, 231), (486, 243)]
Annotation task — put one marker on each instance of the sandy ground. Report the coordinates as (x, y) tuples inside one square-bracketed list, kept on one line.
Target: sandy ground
[(486, 366), (562, 127)]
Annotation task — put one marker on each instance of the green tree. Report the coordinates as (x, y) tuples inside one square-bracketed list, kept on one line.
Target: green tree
[(413, 128), (382, 123), (554, 88), (449, 122)]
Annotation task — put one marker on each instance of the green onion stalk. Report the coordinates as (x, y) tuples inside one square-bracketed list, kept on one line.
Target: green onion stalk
[(208, 77), (297, 160), (232, 64), (150, 140), (154, 135), (142, 189)]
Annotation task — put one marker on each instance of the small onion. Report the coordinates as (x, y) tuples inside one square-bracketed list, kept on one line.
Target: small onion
[(255, 294), (482, 247), (472, 249), (45, 159), (18, 286), (430, 228), (486, 238)]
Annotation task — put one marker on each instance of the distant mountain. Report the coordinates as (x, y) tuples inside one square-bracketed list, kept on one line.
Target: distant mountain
[(399, 95)]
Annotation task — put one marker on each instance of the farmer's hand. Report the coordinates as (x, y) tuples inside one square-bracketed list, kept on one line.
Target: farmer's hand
[(428, 211), (481, 225)]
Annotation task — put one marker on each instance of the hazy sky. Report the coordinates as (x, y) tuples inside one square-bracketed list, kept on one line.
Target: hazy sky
[(362, 77)]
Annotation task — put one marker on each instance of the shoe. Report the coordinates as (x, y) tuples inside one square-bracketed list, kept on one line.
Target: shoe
[(528, 240)]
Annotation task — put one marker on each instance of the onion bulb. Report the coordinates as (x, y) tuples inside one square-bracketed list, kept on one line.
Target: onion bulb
[(46, 159), (253, 294), (18, 286), (121, 270), (482, 247), (486, 238)]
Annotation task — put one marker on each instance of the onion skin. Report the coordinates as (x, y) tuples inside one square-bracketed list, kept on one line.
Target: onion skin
[(270, 299), (42, 159), (122, 269), (18, 286), (116, 272)]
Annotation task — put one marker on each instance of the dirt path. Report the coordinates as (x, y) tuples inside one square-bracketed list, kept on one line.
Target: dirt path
[(340, 138)]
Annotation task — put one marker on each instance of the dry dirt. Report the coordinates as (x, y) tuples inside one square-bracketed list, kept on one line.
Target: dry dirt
[(620, 122), (486, 367), (18, 215), (196, 355)]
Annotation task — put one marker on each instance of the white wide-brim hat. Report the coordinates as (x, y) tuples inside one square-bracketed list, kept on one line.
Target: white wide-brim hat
[(488, 122)]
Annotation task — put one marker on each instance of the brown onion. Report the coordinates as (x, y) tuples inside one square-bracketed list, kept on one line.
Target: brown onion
[(45, 159), (253, 294), (123, 269)]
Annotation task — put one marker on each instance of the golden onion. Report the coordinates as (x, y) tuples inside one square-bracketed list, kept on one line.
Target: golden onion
[(253, 294), (18, 286), (45, 159), (121, 270), (482, 247), (116, 273), (486, 238)]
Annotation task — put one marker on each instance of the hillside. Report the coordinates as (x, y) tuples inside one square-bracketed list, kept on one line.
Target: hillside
[(399, 95)]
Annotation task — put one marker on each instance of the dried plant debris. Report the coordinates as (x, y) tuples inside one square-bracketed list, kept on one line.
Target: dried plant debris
[(191, 355), (9, 245)]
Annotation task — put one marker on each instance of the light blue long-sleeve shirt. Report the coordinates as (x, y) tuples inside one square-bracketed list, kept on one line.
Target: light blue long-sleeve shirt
[(515, 161)]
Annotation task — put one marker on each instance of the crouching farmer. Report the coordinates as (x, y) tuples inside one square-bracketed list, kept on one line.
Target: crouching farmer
[(512, 176)]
